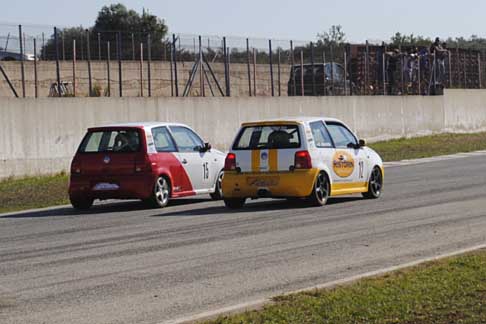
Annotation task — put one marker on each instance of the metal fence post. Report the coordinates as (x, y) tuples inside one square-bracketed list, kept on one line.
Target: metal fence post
[(254, 72), (119, 56), (345, 73), (43, 47), (271, 66), (74, 67), (248, 65), (133, 47), (201, 68), (324, 79), (226, 68), (292, 70), (58, 73), (383, 69), (479, 69), (302, 73), (450, 67), (141, 69), (22, 68), (35, 70), (99, 46), (314, 89), (88, 53), (171, 73), (108, 76), (174, 58), (367, 53), (278, 72), (149, 62), (331, 52), (63, 48)]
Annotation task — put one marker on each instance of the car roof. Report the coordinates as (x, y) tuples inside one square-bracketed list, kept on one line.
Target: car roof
[(140, 124), (283, 120)]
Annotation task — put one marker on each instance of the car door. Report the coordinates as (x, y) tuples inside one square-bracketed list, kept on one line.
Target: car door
[(324, 147), (193, 158), (348, 161)]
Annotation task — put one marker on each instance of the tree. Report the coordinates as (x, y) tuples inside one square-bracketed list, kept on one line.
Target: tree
[(334, 37), (113, 20), (400, 39)]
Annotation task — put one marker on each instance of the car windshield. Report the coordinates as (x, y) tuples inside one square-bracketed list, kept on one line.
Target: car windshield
[(268, 137), (111, 141)]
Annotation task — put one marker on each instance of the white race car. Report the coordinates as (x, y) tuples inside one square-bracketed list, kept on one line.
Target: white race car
[(311, 158)]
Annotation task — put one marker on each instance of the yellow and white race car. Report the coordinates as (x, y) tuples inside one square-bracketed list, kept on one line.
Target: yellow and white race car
[(311, 158)]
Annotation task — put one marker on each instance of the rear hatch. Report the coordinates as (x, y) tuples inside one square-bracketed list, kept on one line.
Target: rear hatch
[(267, 147), (106, 153)]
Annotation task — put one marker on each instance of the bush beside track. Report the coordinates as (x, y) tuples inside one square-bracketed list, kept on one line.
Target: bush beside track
[(44, 191), (452, 290)]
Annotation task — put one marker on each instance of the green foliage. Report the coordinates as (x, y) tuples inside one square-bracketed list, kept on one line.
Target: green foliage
[(409, 40), (442, 292), (334, 37), (33, 192), (117, 17), (111, 20), (427, 146)]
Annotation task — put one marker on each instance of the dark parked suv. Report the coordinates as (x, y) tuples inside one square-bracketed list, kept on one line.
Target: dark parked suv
[(333, 84)]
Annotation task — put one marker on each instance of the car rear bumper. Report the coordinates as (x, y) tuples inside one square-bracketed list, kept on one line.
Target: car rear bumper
[(298, 183), (129, 187)]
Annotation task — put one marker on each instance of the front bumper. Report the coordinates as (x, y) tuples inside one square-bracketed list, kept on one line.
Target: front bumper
[(298, 183)]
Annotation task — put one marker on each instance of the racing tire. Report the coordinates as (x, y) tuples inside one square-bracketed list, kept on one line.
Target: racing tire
[(218, 192), (375, 185), (321, 190), (81, 203), (160, 193), (234, 203)]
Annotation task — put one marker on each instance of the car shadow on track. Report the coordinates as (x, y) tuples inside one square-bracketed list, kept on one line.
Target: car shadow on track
[(101, 208), (252, 207)]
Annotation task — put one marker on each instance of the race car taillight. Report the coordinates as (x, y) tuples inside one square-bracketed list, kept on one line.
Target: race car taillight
[(302, 160), (75, 167), (230, 162), (143, 165)]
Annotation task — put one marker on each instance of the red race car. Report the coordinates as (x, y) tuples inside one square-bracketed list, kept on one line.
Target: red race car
[(149, 161)]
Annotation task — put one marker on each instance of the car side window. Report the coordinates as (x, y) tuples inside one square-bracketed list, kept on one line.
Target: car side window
[(341, 136), (320, 135), (186, 140), (162, 140)]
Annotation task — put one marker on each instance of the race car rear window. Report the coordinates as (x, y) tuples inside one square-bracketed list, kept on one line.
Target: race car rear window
[(268, 137), (111, 141)]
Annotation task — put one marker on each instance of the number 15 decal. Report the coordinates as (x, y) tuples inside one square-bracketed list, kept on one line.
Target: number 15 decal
[(361, 169), (205, 170)]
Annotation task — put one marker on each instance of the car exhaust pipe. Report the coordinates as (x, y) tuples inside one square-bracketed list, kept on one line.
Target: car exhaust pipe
[(264, 193)]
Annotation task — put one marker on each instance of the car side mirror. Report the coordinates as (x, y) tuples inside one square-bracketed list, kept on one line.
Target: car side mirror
[(362, 143), (206, 147)]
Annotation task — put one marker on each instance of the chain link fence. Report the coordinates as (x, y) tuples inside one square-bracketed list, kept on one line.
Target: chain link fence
[(41, 61)]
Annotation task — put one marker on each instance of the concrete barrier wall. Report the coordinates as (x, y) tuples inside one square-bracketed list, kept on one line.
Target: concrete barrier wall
[(39, 136)]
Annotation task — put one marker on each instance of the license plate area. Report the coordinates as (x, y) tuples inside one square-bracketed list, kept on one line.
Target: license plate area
[(105, 186), (263, 181)]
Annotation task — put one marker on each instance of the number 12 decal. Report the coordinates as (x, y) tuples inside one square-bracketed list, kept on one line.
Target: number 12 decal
[(205, 170)]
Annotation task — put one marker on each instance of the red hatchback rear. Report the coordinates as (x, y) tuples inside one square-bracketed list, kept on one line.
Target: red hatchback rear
[(127, 162)]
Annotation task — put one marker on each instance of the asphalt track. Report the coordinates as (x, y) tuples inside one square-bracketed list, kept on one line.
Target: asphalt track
[(121, 263)]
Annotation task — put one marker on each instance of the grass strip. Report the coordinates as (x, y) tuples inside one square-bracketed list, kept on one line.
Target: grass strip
[(33, 192), (428, 146), (452, 290)]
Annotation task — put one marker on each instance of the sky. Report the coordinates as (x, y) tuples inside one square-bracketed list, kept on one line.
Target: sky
[(299, 20)]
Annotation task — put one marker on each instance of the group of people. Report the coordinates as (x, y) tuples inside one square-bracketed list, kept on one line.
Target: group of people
[(415, 60)]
